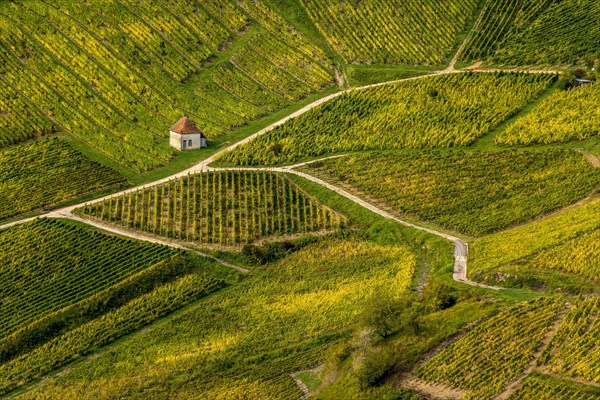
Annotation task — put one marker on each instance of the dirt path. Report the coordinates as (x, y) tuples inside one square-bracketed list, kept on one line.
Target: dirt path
[(461, 249), (434, 391), (468, 37)]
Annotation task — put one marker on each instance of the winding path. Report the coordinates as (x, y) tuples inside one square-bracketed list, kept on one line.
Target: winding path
[(460, 247)]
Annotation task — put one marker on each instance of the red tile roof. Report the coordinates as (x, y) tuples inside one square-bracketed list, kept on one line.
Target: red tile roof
[(185, 127)]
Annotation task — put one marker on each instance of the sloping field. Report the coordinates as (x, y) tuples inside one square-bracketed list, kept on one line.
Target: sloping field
[(543, 235), (547, 32), (245, 342), (391, 31), (565, 116), (44, 172), (223, 208), (470, 192), (440, 111)]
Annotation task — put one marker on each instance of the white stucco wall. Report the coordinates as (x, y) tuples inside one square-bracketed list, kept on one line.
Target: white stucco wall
[(176, 141)]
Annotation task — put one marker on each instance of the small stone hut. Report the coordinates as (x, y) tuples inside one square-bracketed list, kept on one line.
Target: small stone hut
[(184, 135)]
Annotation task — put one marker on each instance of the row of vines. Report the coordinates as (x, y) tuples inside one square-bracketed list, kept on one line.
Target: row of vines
[(388, 31), (559, 241), (573, 350), (105, 329), (565, 116), (224, 208), (244, 342), (493, 353), (118, 74), (48, 265), (543, 387), (499, 20)]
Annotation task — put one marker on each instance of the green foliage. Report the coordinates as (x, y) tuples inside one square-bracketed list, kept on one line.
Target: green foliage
[(579, 256), (573, 350), (45, 172), (385, 31), (556, 235), (245, 342), (275, 251), (49, 266), (227, 208), (499, 20), (19, 119), (467, 106), (565, 32), (471, 192), (495, 352), (565, 116), (532, 32)]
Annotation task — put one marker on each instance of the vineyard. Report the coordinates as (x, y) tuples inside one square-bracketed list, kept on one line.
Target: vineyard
[(117, 74), (500, 19), (48, 265), (545, 32), (425, 142), (224, 208), (540, 387), (573, 350), (471, 192), (566, 32), (19, 119), (554, 236), (565, 116), (45, 172), (494, 352), (444, 111), (580, 256), (244, 342), (106, 328), (388, 31)]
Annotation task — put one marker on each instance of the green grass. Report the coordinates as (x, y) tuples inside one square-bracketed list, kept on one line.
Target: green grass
[(362, 75), (312, 379)]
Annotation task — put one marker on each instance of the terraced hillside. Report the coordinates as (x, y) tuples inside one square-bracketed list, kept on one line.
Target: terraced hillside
[(391, 31), (304, 317), (469, 192), (432, 235), (565, 116), (56, 277), (563, 242), (42, 173)]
